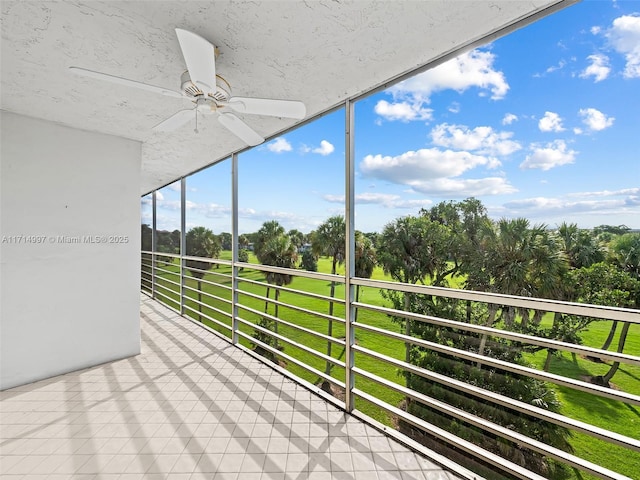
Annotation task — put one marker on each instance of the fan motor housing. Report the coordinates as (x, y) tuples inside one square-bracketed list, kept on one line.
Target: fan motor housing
[(190, 89)]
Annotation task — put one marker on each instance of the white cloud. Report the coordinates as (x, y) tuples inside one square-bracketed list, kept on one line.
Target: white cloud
[(509, 118), (598, 69), (324, 149), (551, 122), (279, 145), (594, 119), (550, 156), (159, 196), (433, 171), (624, 36), (561, 64), (403, 111), (601, 207), (386, 200), (607, 193), (480, 139), (459, 187), (470, 69), (454, 107)]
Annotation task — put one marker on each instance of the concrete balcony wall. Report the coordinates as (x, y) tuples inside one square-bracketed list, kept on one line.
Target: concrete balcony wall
[(70, 238)]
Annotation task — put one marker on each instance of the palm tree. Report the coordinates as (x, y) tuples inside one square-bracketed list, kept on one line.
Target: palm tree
[(200, 242), (329, 240), (403, 254), (582, 247), (524, 261), (365, 261), (269, 230), (275, 249)]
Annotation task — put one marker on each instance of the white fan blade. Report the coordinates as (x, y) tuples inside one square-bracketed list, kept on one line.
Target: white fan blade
[(199, 55), (123, 81), (240, 129), (175, 121), (265, 106)]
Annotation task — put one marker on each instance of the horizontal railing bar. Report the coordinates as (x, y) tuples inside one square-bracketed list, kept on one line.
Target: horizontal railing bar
[(205, 272), (290, 271), (293, 325), (161, 263), (206, 305), (496, 429), (293, 290), (162, 279), (158, 284), (295, 344), (572, 308), (161, 254), (217, 261), (209, 295), (508, 402), (325, 316), (211, 319), (503, 365), (475, 450), (520, 337), (168, 298), (168, 272), (291, 359), (208, 282)]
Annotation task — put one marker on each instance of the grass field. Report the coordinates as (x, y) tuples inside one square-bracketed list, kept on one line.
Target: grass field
[(605, 413)]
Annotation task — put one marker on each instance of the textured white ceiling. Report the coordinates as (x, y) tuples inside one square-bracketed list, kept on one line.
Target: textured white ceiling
[(319, 52)]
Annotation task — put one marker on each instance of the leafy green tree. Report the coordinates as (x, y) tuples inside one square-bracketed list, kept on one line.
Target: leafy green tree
[(581, 247), (329, 240), (625, 252), (226, 240), (146, 237), (364, 261), (267, 231), (200, 242), (297, 237), (612, 229), (243, 241), (606, 284), (309, 261), (243, 256)]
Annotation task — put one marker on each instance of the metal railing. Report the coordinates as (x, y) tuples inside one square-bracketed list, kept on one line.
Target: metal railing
[(368, 363)]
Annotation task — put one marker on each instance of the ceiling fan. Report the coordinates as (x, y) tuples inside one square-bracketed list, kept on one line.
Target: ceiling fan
[(209, 92)]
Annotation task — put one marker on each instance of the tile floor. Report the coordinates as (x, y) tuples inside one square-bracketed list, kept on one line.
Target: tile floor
[(190, 406)]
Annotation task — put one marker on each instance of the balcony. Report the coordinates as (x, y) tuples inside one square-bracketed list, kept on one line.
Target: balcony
[(191, 406), (369, 373)]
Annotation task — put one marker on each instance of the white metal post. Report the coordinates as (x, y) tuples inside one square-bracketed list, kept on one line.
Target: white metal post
[(154, 241), (183, 237), (349, 255), (234, 248)]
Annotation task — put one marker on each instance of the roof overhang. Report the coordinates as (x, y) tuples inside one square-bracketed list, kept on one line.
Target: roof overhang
[(315, 51)]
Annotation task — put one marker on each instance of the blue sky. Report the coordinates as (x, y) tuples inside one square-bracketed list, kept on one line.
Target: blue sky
[(543, 123)]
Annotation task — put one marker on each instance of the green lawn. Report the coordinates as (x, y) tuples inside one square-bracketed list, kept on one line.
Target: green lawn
[(609, 414)]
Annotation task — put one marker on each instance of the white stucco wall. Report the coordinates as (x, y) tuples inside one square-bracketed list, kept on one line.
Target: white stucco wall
[(64, 305)]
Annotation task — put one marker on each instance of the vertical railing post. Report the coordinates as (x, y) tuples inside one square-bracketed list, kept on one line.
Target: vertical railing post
[(349, 255), (183, 236), (234, 248), (154, 241)]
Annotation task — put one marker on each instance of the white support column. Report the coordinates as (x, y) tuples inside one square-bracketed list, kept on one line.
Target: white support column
[(183, 236), (349, 254), (234, 248), (154, 241)]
